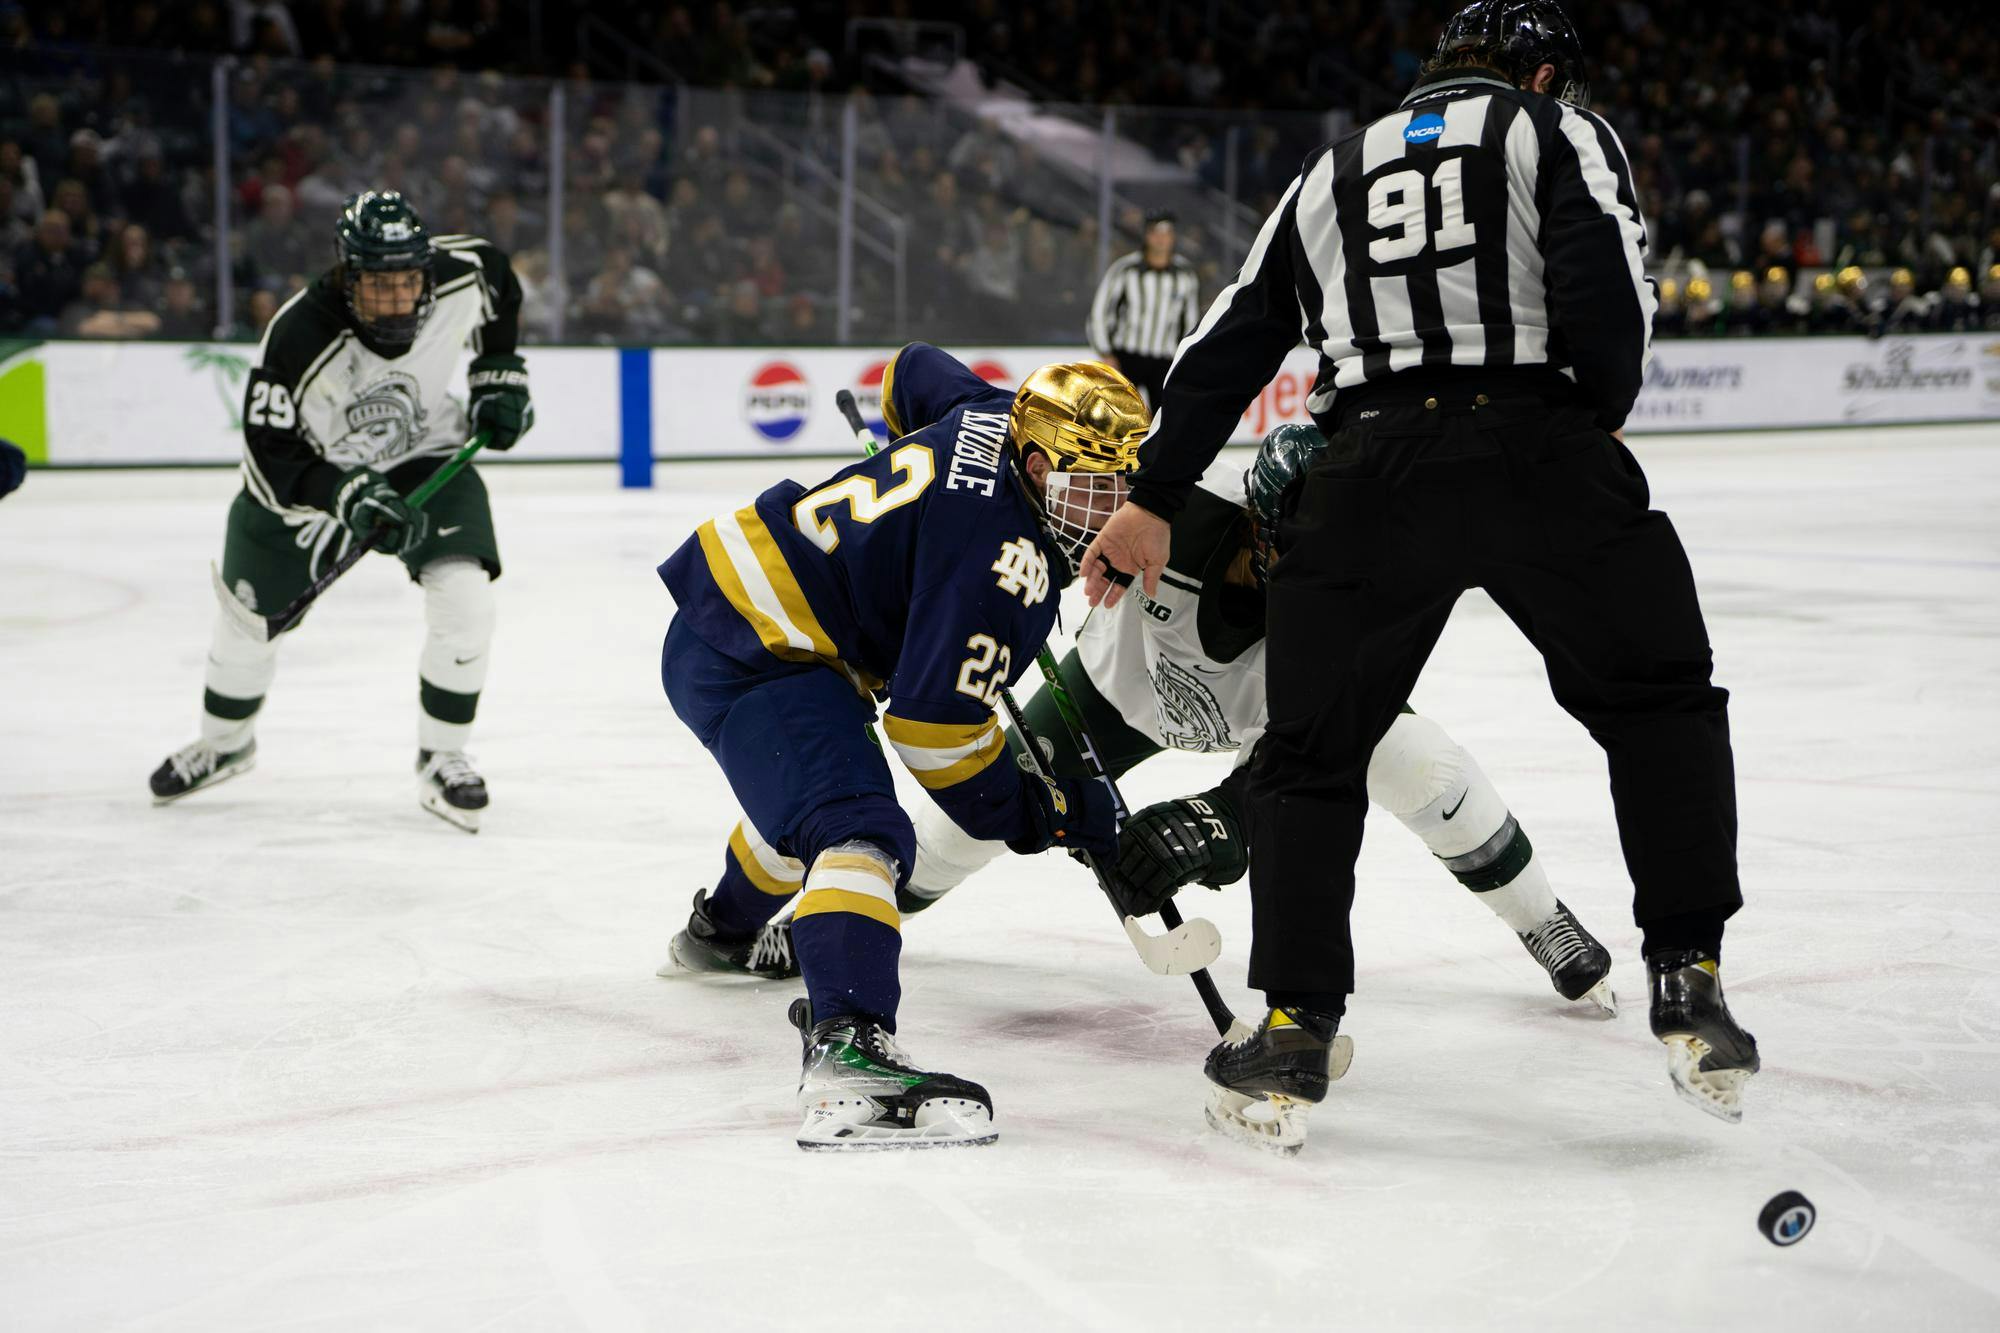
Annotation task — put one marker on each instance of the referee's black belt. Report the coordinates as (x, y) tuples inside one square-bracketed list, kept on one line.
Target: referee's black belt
[(1453, 390)]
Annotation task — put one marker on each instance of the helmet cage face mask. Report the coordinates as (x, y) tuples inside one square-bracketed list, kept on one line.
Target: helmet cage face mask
[(394, 331), (1076, 505)]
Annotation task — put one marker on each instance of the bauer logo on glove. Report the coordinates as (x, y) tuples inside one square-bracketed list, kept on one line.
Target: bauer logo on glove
[(498, 387)]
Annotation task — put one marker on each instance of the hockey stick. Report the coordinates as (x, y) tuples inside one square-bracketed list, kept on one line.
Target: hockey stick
[(1185, 947), (1226, 1023), (266, 628)]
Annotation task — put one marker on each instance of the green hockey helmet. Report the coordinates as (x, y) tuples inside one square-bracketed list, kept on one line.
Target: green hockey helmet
[(1271, 487), (379, 232)]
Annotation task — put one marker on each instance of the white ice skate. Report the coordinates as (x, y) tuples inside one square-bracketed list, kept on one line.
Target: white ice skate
[(449, 788), (193, 767), (860, 1093)]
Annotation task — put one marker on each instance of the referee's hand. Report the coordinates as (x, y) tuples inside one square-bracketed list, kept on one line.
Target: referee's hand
[(1133, 540)]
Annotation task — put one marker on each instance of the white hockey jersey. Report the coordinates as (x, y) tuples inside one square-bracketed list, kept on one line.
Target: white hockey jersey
[(1186, 667), (321, 401)]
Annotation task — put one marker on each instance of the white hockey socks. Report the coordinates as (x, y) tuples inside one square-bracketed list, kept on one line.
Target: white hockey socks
[(1425, 779), (946, 857), (458, 619), (239, 675)]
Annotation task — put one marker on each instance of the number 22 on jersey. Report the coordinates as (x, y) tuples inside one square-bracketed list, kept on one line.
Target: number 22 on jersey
[(865, 503)]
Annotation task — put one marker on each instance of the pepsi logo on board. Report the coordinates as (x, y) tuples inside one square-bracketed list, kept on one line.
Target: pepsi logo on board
[(776, 401)]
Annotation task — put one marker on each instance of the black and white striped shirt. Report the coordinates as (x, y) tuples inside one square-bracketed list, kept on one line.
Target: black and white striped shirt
[(1475, 226), (1140, 310)]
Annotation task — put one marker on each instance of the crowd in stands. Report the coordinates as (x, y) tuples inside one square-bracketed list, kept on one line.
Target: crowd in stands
[(1803, 166)]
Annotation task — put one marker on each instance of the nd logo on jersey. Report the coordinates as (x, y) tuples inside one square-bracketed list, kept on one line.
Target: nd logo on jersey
[(384, 422), (1023, 571)]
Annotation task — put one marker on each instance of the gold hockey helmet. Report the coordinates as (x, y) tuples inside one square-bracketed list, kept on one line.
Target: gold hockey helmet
[(1959, 279), (1087, 420), (1698, 289), (1852, 279), (1085, 416)]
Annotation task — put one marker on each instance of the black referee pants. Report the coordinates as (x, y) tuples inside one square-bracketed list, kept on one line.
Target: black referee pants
[(1413, 504)]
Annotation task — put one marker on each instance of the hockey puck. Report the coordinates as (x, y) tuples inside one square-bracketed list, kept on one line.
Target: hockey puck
[(1787, 1218)]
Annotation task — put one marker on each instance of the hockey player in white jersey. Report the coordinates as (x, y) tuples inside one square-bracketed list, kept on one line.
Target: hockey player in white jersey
[(347, 411), (1184, 671)]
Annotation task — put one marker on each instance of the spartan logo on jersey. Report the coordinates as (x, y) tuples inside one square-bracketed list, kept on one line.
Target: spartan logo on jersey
[(1191, 717), (1023, 571), (385, 422)]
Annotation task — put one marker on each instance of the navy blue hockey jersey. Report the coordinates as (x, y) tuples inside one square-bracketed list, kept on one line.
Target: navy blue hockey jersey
[(921, 573)]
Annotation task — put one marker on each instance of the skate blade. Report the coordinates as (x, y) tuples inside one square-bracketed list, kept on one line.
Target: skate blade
[(1274, 1123), (942, 1122), (1719, 1092), (1602, 998), (235, 771), (449, 813)]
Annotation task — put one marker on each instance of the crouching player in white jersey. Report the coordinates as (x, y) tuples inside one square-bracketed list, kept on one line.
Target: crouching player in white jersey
[(926, 576), (1185, 671), (348, 411)]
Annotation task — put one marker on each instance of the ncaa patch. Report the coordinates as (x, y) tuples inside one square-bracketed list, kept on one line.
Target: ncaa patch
[(1427, 128)]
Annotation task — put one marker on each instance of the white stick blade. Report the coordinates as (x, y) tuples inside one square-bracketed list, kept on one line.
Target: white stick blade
[(1189, 947)]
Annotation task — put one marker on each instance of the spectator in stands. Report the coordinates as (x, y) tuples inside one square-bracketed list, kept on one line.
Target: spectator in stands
[(635, 217), (808, 265), (623, 300), (19, 171), (275, 244), (44, 142), (183, 317), (137, 270), (100, 312), (152, 198), (262, 304), (48, 272), (741, 316), (992, 269), (74, 201), (742, 210)]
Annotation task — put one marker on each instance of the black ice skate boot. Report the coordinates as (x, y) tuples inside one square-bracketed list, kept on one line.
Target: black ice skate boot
[(1708, 1056), (859, 1092), (199, 765), (1265, 1082), (1578, 966), (448, 787), (702, 947)]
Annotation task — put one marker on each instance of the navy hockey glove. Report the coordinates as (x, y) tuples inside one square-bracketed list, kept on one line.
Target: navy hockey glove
[(1075, 814), (365, 501), (1174, 843), (498, 387)]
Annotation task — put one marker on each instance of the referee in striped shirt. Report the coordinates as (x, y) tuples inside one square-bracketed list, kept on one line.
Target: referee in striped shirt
[(1146, 303), (1470, 269)]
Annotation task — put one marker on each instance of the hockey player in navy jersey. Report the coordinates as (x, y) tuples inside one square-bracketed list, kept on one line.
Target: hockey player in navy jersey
[(927, 577)]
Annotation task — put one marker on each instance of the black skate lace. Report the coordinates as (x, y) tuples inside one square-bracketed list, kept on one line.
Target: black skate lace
[(773, 945), (192, 761), (1556, 942), (452, 769)]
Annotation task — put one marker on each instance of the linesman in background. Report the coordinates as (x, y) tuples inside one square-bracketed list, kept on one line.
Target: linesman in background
[(1146, 303), (1470, 268)]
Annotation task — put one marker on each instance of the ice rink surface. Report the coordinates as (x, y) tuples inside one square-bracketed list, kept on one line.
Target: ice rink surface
[(295, 1054)]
